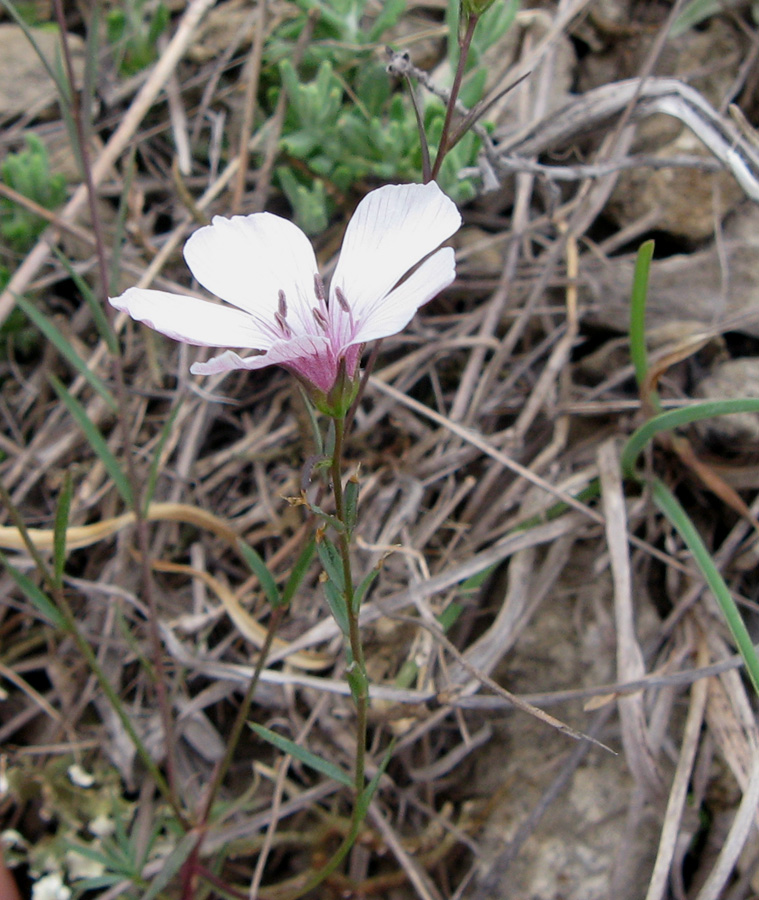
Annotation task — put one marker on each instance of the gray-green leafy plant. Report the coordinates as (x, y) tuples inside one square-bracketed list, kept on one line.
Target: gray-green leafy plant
[(28, 173)]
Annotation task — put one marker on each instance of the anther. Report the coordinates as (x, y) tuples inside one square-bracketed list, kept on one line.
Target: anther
[(344, 305), (282, 304), (321, 319), (319, 288)]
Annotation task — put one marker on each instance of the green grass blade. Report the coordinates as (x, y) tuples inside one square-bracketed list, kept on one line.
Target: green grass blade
[(638, 298), (99, 316), (670, 506), (362, 804), (675, 418), (259, 568), (59, 532), (96, 440), (38, 598), (50, 330), (305, 756), (693, 14)]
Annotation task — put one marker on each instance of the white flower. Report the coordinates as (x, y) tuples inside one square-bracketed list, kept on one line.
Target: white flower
[(265, 267), (80, 777), (50, 887)]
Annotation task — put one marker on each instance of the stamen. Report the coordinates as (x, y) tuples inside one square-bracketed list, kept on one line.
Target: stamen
[(282, 304), (282, 322), (321, 319), (341, 299), (319, 289)]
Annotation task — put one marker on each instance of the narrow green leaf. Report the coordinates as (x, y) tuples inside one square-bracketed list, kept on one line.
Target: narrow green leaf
[(259, 568), (327, 517), (351, 502), (670, 506), (360, 592), (39, 600), (96, 439), (332, 562), (450, 615), (316, 433), (171, 865), (59, 531), (96, 882), (692, 14), (675, 418), (50, 330), (362, 804), (638, 299), (99, 316), (298, 572), (337, 606), (305, 756)]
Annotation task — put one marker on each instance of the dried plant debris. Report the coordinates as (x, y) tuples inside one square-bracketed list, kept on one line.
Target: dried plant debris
[(568, 713)]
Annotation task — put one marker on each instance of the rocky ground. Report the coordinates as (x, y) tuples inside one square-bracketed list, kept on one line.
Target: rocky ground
[(510, 393)]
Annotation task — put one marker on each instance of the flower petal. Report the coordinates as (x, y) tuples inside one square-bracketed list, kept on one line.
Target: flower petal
[(227, 361), (311, 357), (392, 229), (392, 313), (247, 260), (191, 320)]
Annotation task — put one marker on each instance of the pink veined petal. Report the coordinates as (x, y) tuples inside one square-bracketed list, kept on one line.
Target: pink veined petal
[(392, 313), (311, 357), (247, 260), (191, 320), (392, 230)]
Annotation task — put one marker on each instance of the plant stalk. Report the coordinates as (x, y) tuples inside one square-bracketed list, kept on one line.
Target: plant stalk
[(465, 43)]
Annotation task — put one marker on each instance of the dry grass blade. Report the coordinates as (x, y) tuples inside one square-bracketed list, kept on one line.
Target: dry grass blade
[(113, 149), (661, 874), (638, 751)]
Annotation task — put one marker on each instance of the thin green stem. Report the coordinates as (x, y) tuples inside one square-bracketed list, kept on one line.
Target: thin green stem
[(357, 662), (357, 672), (464, 44)]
